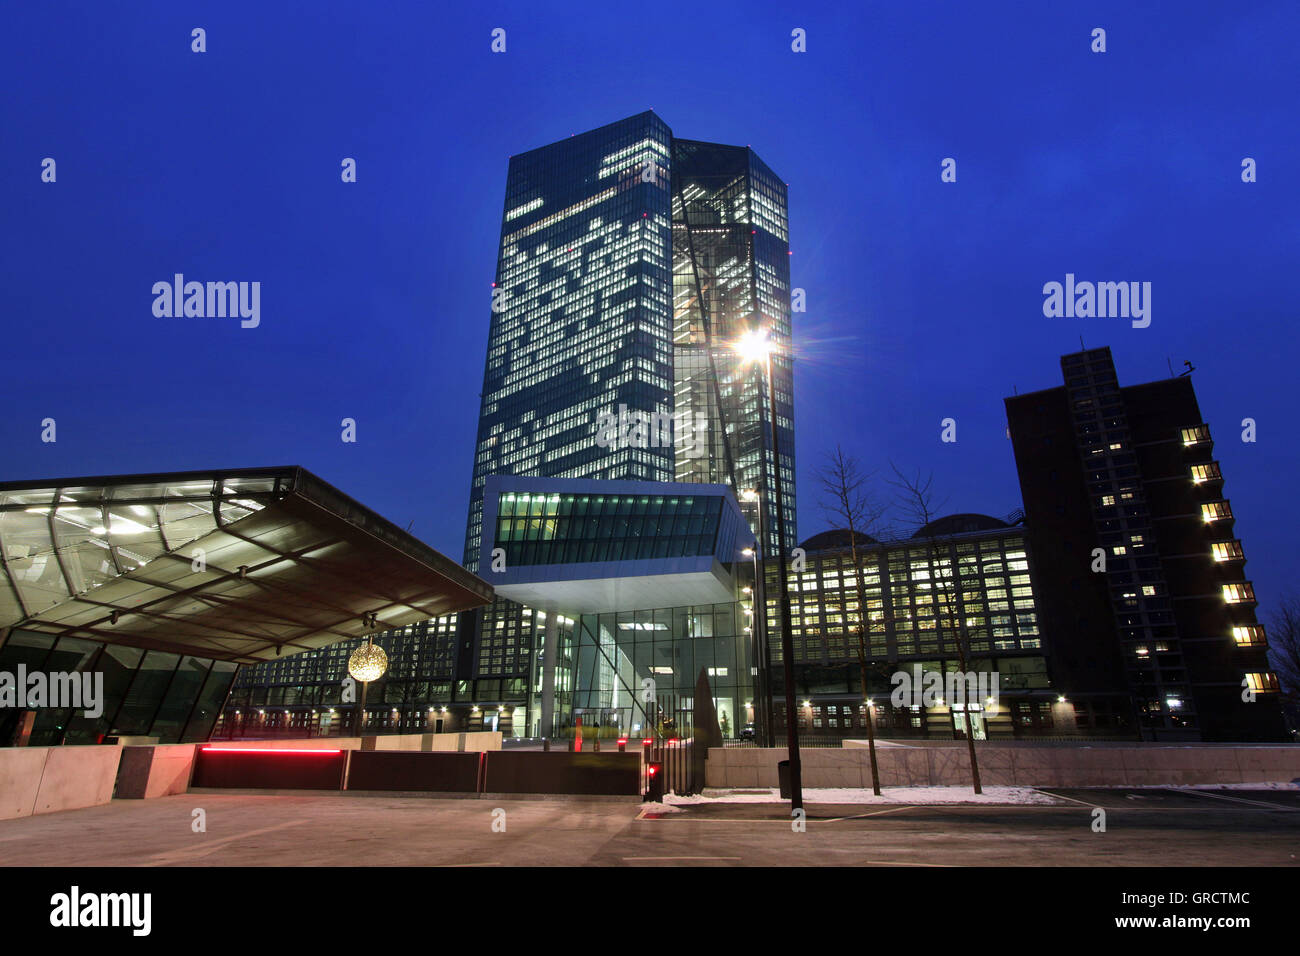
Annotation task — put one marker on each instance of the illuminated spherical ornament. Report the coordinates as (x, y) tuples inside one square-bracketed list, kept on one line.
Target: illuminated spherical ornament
[(368, 662)]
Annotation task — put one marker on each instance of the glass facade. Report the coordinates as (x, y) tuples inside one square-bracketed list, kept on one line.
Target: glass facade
[(301, 695), (922, 596), (629, 262), (145, 693), (915, 595), (572, 529), (731, 274), (581, 322), (669, 647)]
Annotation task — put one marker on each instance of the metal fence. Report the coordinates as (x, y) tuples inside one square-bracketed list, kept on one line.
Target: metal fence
[(809, 742)]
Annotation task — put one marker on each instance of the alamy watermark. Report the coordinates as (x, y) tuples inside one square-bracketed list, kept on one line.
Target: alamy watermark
[(211, 300), (638, 429), (1102, 300), (925, 688), (31, 690), (76, 908)]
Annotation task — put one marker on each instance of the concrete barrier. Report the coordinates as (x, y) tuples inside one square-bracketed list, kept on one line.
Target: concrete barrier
[(303, 743), (1011, 765), (77, 777), (148, 772), (261, 768), (48, 779), (463, 743), (406, 770), (20, 779), (521, 771)]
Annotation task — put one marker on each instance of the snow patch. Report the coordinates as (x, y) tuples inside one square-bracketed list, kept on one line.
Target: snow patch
[(913, 796)]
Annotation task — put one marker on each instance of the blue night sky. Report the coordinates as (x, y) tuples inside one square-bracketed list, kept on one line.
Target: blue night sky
[(924, 298)]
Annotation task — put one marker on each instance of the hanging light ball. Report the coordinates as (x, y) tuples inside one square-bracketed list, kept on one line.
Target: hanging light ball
[(368, 662)]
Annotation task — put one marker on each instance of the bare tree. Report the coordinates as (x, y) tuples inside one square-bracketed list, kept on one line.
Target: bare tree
[(916, 501), (1284, 645), (849, 506)]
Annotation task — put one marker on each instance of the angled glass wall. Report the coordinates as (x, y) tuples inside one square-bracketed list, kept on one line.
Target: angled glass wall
[(172, 697), (582, 528), (731, 274), (635, 670)]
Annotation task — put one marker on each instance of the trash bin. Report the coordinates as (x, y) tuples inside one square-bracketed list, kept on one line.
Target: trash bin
[(783, 778)]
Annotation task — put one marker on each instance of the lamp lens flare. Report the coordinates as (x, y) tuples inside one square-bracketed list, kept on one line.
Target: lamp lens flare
[(754, 345)]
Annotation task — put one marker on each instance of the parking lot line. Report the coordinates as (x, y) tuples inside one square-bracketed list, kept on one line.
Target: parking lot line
[(1253, 803)]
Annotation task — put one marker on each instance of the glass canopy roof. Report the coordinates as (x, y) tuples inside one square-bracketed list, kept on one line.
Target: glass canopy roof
[(239, 566)]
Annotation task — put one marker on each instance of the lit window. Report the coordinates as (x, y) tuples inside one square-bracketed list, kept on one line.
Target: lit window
[(1263, 683), (1206, 472), (1119, 549), (1242, 593), (1214, 510), (1196, 435), (1226, 550), (1107, 500), (1249, 635)]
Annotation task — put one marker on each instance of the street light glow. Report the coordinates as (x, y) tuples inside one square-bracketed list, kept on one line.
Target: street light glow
[(754, 345)]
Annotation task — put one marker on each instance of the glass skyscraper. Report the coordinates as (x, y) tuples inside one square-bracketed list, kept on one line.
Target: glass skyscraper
[(731, 274), (581, 318), (629, 264), (630, 261)]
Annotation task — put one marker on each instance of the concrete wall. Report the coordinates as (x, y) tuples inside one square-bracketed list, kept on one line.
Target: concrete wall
[(48, 779), (480, 740), (1011, 765), (305, 743), (148, 772), (468, 742)]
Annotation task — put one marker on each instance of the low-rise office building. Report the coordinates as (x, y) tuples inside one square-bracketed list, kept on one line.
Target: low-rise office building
[(964, 578)]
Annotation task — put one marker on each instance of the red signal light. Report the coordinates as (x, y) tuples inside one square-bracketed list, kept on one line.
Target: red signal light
[(263, 750)]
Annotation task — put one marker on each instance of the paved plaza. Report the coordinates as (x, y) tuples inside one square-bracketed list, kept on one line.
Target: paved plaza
[(1229, 827)]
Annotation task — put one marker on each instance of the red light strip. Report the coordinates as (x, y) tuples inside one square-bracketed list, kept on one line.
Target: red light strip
[(263, 750)]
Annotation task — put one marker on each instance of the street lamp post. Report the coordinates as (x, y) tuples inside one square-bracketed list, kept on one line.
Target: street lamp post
[(762, 690), (755, 346), (762, 656), (367, 663)]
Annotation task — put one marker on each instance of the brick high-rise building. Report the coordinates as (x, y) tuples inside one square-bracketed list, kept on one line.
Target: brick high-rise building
[(1140, 580)]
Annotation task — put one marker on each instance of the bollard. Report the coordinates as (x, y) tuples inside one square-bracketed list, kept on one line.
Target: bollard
[(622, 745), (546, 744), (654, 784)]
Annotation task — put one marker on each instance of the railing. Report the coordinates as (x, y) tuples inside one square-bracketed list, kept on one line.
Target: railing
[(1037, 740), (820, 741)]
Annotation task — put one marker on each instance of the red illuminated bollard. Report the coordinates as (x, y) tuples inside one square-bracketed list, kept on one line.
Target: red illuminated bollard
[(654, 792)]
